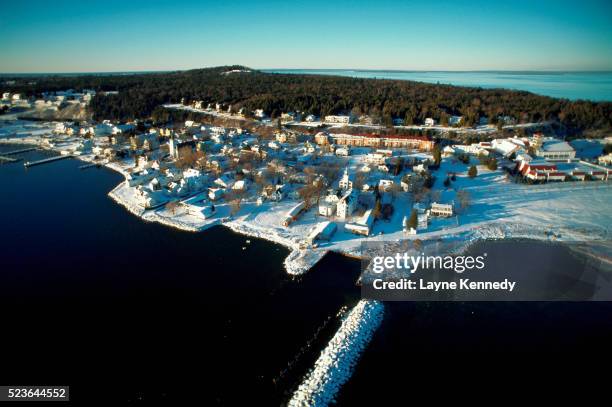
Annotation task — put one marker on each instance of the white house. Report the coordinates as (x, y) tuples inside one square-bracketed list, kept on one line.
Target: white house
[(327, 207), (438, 209), (224, 181), (146, 198), (430, 122), (215, 193), (553, 149), (605, 159), (364, 225), (509, 146), (376, 158), (337, 119), (346, 205), (343, 151), (240, 185), (474, 149), (203, 213)]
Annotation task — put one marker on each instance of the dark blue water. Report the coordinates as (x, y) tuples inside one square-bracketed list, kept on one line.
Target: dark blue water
[(92, 296), (596, 86), (454, 350)]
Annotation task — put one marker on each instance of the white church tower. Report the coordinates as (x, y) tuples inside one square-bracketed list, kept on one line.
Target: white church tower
[(346, 182)]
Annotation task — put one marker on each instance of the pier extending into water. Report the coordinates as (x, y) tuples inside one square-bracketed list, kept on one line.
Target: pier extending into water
[(46, 160), (90, 165), (335, 364), (25, 150), (4, 159)]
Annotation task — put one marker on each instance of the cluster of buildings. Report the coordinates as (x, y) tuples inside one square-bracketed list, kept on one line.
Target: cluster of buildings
[(423, 213), (374, 140), (477, 149), (232, 160), (48, 100), (204, 166), (301, 117), (543, 170), (343, 202), (538, 158)]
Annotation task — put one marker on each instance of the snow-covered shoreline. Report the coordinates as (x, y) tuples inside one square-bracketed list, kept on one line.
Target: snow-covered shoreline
[(335, 365), (540, 209)]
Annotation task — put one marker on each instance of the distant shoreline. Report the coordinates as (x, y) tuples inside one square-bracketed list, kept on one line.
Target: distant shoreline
[(502, 71), (275, 70)]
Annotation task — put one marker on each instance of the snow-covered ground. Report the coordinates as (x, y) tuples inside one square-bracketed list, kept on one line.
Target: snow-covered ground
[(499, 208)]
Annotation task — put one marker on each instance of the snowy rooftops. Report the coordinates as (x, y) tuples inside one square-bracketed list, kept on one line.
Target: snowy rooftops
[(556, 146)]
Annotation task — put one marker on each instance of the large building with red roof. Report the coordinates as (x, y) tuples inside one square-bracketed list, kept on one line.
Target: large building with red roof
[(376, 140)]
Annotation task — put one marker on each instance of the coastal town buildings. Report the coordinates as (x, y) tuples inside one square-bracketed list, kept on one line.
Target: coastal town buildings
[(377, 141), (338, 119), (553, 149), (438, 209), (346, 182), (346, 205), (364, 225), (605, 159)]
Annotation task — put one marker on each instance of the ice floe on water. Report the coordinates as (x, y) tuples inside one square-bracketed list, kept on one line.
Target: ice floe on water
[(335, 365)]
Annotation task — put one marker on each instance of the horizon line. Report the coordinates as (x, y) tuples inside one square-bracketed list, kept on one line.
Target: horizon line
[(127, 72)]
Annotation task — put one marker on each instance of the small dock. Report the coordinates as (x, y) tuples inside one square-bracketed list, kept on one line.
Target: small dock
[(4, 159), (25, 150), (46, 160), (84, 167)]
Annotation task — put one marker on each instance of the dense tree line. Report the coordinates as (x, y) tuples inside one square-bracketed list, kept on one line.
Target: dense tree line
[(140, 94)]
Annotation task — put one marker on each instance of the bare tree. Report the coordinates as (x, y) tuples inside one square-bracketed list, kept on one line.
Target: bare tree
[(171, 207), (463, 199), (235, 206), (395, 190), (187, 158), (200, 160), (360, 180), (418, 244)]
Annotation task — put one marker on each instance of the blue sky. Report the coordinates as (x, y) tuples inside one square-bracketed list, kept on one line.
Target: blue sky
[(92, 36)]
